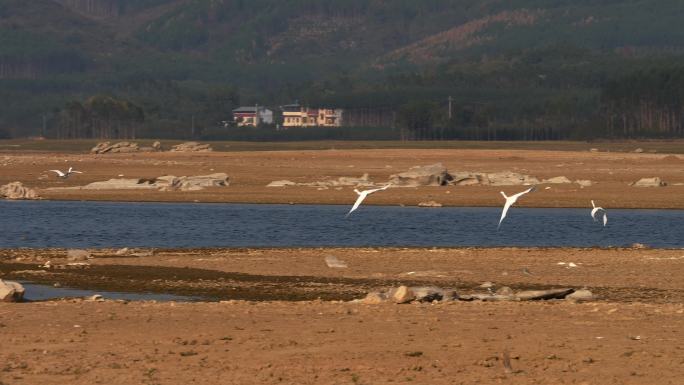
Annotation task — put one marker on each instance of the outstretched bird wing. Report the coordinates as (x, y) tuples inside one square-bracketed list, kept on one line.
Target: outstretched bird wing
[(76, 172), (360, 199), (518, 195), (368, 192), (605, 218), (59, 173), (508, 204)]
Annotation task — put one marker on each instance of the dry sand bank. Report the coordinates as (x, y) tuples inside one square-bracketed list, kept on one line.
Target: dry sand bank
[(632, 334), (251, 171)]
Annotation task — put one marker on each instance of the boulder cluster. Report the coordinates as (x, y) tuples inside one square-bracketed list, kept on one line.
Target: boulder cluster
[(162, 183), (11, 291), (123, 147), (191, 147), (405, 294), (16, 190)]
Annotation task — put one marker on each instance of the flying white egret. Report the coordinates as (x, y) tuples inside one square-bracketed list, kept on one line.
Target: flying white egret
[(595, 210), (65, 175), (510, 200), (362, 195)]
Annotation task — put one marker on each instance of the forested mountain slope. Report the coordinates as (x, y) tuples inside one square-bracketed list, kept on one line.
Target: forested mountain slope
[(506, 63)]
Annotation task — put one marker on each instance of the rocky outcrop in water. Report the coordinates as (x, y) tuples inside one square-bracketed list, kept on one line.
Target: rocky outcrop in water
[(16, 191), (11, 291)]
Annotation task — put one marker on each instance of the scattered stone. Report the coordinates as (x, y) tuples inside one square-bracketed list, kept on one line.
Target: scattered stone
[(147, 253), (584, 183), (374, 298), (16, 190), (593, 150), (95, 297), (363, 181), (557, 180), (162, 183), (281, 183), (429, 204), (487, 285), (534, 295), (639, 246), (11, 291), (649, 182), (639, 150), (120, 147), (427, 293), (77, 255), (191, 183), (403, 295), (505, 290), (580, 296), (335, 263), (191, 147), (116, 184), (432, 175), (503, 178), (123, 251)]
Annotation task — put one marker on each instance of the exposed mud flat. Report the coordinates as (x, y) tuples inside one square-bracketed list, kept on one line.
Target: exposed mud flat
[(251, 171), (632, 334)]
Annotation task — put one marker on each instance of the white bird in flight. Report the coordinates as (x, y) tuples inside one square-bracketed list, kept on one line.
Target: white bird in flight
[(510, 200), (65, 175), (596, 210), (363, 195)]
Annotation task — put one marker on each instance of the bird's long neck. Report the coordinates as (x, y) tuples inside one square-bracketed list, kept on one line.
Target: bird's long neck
[(592, 204), (504, 194)]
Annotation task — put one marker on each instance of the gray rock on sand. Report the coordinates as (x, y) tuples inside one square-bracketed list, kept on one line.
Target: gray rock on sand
[(335, 263), (432, 175), (584, 183), (502, 178), (557, 180), (429, 204), (403, 294), (580, 296), (120, 147), (192, 183), (427, 293), (649, 182), (374, 298), (11, 291), (123, 251), (191, 147), (16, 190), (78, 255), (281, 183)]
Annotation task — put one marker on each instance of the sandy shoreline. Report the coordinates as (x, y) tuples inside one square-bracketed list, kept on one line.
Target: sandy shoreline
[(251, 171), (631, 334)]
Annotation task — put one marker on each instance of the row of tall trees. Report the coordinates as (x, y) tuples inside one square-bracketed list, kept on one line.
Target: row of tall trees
[(102, 117), (646, 102)]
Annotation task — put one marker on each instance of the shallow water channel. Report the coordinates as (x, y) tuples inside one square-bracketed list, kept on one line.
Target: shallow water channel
[(39, 224)]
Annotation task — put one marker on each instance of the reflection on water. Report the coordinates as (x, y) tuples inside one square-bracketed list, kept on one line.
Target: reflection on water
[(98, 224)]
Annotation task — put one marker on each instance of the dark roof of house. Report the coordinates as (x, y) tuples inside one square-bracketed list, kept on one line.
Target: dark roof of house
[(291, 107), (245, 109)]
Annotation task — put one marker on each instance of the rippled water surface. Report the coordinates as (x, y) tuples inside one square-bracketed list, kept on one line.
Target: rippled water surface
[(98, 224)]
